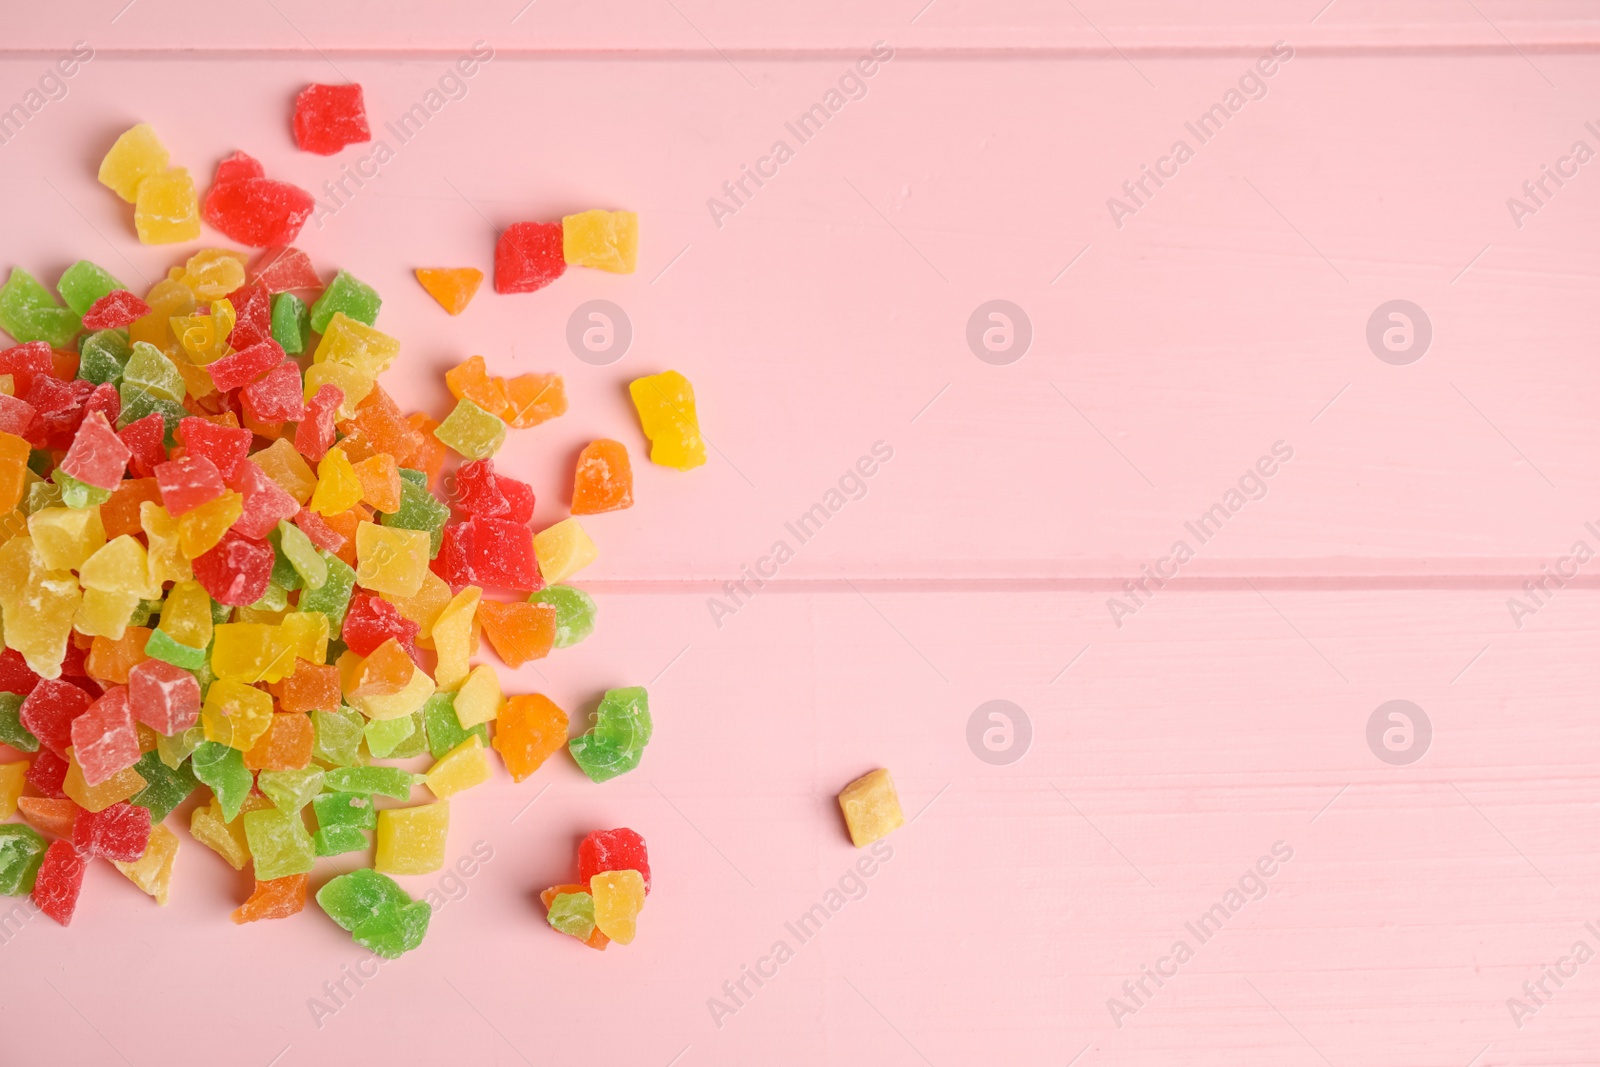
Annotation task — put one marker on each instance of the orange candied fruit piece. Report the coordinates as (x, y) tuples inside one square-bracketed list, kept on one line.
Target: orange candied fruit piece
[(288, 468), (383, 426), (312, 687), (110, 661), (519, 631), (603, 480), (344, 523), (380, 482), (285, 746), (120, 514), (452, 287), (529, 730), (52, 816), (277, 899), (469, 380), (534, 398), (432, 451), (387, 671)]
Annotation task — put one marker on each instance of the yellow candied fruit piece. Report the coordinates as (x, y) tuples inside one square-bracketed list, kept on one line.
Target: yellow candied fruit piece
[(424, 607), (306, 633), (251, 652), (412, 840), (452, 637), (225, 838), (235, 714), (479, 699), (355, 344), (11, 783), (288, 468), (462, 767), (168, 299), (204, 338), (186, 615), (353, 382), (121, 565), (200, 528), (65, 537), (152, 872), (407, 701), (665, 403), (618, 899), (167, 561), (133, 157), (119, 786), (563, 550), (166, 210), (102, 614), (338, 485), (213, 273), (605, 240), (871, 807), (391, 559)]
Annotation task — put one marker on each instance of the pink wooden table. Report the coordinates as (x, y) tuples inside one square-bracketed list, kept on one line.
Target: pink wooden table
[(1197, 766)]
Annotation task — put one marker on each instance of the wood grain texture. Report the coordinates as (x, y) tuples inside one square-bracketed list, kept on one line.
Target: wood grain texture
[(828, 313)]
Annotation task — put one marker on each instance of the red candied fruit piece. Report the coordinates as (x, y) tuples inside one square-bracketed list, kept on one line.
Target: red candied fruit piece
[(613, 850), (146, 439), (164, 697), (478, 492), (187, 482), (60, 878), (76, 665), (116, 308), (246, 365), (25, 362), (265, 503), (328, 117), (519, 497), (501, 555), (119, 832), (372, 620), (252, 209), (453, 563), (279, 397), (104, 740), (225, 446), (314, 435), (106, 400), (317, 529), (284, 270), (528, 256), (97, 456), (15, 674), (252, 306), (235, 571), (18, 417), (59, 405), (48, 773), (49, 710)]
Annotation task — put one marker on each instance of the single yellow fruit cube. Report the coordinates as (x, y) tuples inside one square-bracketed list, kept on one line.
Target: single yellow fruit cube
[(412, 840), (211, 274), (134, 156), (252, 652), (12, 781), (119, 786), (390, 559), (167, 561), (479, 699), (452, 637), (65, 537), (225, 838), (871, 807), (235, 714), (121, 565), (338, 486), (152, 872), (288, 468), (102, 614), (665, 403), (186, 615), (605, 240), (166, 210), (306, 634), (563, 550), (618, 899), (355, 344), (199, 529), (462, 767)]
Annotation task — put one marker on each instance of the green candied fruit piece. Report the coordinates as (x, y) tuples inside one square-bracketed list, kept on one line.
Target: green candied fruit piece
[(165, 787), (12, 732), (333, 599), (575, 611), (279, 843), (161, 646), (310, 568), (385, 735), (471, 431), (360, 897), (348, 294), (616, 741), (415, 477), (275, 598), (337, 840), (21, 852), (76, 494), (419, 510), (573, 913), (389, 781), (337, 737), (395, 932), (290, 323), (83, 283), (28, 312), (102, 355), (41, 462), (291, 790), (222, 768), (179, 747), (149, 370), (143, 612), (137, 403), (444, 729), (352, 810), (42, 495), (220, 613), (415, 742), (283, 573)]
